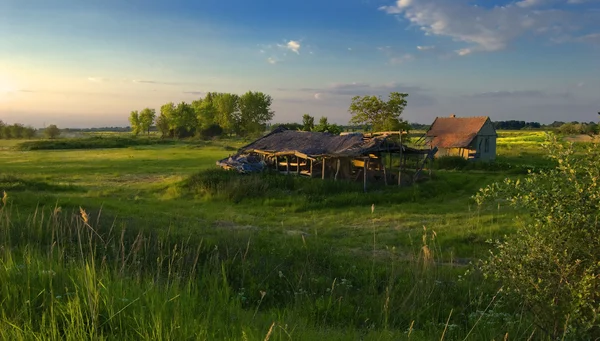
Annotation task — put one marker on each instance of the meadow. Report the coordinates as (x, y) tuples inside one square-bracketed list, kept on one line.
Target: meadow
[(149, 240)]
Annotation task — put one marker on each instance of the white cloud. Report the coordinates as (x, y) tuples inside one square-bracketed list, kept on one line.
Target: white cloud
[(488, 29), (291, 45), (425, 48), (318, 96), (272, 60)]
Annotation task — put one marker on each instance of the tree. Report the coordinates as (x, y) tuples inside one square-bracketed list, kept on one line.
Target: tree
[(134, 121), (255, 112), (2, 126), (322, 126), (205, 111), (146, 119), (373, 111), (227, 111), (16, 130), (552, 264), (29, 132), (52, 131), (182, 120), (308, 122), (325, 127), (162, 124)]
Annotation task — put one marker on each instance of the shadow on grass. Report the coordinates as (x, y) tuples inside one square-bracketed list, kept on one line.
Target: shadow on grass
[(10, 183)]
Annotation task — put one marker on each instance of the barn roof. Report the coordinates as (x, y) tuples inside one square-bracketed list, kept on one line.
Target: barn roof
[(455, 132), (282, 140)]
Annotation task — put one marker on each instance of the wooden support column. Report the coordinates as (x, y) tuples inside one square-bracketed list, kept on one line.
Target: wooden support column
[(277, 163), (365, 169), (384, 173), (311, 168), (323, 171), (297, 165), (337, 169), (287, 165)]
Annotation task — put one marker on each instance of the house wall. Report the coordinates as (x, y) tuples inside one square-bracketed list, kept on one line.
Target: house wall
[(487, 133), (462, 152)]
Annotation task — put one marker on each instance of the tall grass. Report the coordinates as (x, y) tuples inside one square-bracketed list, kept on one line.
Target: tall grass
[(73, 276), (94, 142)]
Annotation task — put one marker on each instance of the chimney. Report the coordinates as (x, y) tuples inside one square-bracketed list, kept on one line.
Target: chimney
[(453, 115)]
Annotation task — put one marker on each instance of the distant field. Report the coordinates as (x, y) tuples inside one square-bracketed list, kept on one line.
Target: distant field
[(230, 259)]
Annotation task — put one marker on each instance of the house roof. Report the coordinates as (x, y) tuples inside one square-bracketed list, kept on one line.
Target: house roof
[(282, 140), (455, 132)]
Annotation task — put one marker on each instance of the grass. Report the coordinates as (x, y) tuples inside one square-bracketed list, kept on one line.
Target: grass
[(170, 247)]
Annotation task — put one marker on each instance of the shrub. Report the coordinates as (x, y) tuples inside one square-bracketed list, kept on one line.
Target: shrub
[(552, 264)]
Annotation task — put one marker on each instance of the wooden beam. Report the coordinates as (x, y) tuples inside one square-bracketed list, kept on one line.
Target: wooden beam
[(277, 163), (297, 165), (323, 171), (337, 169), (401, 162), (311, 168), (384, 172), (287, 165)]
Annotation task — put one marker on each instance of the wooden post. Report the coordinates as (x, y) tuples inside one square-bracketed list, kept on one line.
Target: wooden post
[(323, 171), (384, 173), (287, 165), (365, 168), (277, 163), (297, 165), (311, 168), (337, 169)]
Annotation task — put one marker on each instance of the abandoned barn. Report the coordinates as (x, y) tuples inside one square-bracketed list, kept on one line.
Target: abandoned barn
[(473, 138), (374, 158)]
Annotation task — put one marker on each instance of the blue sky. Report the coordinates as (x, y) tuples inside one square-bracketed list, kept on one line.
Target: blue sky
[(90, 63)]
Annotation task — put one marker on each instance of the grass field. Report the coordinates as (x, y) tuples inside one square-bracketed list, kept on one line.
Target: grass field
[(165, 250)]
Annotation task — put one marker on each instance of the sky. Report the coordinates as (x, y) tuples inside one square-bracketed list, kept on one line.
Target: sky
[(89, 63)]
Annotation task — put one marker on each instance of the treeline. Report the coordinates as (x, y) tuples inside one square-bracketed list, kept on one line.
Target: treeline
[(516, 125), (308, 124), (20, 131), (16, 131), (214, 115)]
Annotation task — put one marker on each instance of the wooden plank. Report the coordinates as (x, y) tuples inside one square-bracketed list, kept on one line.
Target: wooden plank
[(297, 165), (311, 168), (323, 172), (337, 169)]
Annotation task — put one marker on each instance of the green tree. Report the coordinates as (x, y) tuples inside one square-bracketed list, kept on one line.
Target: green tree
[(168, 116), (2, 127), (182, 120), (227, 111), (134, 121), (308, 122), (29, 132), (205, 111), (323, 125), (52, 131), (378, 114), (162, 124), (146, 119), (16, 130), (255, 112), (552, 264)]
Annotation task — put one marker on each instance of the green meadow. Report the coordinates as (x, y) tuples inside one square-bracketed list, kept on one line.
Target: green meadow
[(139, 238)]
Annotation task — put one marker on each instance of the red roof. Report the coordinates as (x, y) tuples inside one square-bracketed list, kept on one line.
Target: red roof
[(455, 132)]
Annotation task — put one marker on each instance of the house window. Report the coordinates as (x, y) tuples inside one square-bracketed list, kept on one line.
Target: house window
[(487, 145)]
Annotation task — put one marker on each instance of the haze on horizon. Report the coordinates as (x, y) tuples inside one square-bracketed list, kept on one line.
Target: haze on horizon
[(84, 64)]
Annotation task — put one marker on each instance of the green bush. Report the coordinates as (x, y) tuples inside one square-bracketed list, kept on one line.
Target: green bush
[(552, 265)]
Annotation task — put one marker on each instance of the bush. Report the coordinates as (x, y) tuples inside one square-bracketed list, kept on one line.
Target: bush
[(552, 264)]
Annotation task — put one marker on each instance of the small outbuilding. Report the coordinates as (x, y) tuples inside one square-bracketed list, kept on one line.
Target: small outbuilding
[(473, 138)]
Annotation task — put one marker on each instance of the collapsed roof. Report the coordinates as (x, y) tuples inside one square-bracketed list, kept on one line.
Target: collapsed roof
[(314, 144)]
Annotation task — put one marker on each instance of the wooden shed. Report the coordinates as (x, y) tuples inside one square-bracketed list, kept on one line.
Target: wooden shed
[(473, 138), (351, 156)]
